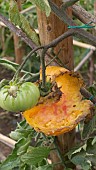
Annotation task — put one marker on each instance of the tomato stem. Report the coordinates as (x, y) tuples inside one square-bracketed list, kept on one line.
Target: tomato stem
[(59, 152), (16, 75), (43, 67)]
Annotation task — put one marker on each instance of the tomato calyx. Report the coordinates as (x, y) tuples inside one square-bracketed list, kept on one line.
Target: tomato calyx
[(12, 88), (12, 91)]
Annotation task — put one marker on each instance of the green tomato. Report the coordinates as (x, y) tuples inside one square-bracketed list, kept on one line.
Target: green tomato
[(19, 97)]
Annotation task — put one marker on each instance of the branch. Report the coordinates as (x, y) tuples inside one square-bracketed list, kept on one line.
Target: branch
[(88, 95), (43, 67), (68, 3), (53, 43), (80, 33), (17, 31), (24, 61), (83, 15)]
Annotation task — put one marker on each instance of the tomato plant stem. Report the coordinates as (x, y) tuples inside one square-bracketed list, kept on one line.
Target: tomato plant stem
[(59, 152), (43, 67), (24, 61)]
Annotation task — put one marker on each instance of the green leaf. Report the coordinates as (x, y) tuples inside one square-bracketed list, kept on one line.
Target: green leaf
[(43, 5), (18, 19), (29, 30), (89, 127), (92, 159), (91, 149), (16, 135), (14, 13), (92, 89), (75, 150), (45, 167), (81, 160), (25, 144), (35, 155), (24, 167), (94, 141), (14, 160), (8, 64), (23, 130)]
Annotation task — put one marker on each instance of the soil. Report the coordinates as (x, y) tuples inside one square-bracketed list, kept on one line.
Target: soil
[(8, 120)]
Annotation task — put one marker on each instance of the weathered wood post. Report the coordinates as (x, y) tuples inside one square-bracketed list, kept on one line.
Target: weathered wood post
[(50, 28)]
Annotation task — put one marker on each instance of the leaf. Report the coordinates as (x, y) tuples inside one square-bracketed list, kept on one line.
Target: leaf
[(92, 89), (14, 160), (29, 30), (91, 149), (43, 5), (8, 64), (76, 150), (81, 160), (23, 130), (18, 19), (92, 159), (45, 167), (35, 155), (25, 167), (14, 13), (94, 141), (15, 135), (89, 127), (25, 144)]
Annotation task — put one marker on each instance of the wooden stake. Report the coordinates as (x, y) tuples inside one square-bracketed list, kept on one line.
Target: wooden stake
[(49, 29), (9, 142)]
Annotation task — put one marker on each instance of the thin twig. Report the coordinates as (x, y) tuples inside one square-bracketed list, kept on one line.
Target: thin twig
[(67, 34), (56, 56), (24, 61), (87, 95), (31, 76), (43, 67)]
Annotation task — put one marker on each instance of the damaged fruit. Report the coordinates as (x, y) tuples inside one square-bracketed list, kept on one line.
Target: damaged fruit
[(55, 116)]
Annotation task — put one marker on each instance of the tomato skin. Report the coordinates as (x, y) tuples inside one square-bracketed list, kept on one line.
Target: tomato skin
[(26, 97)]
